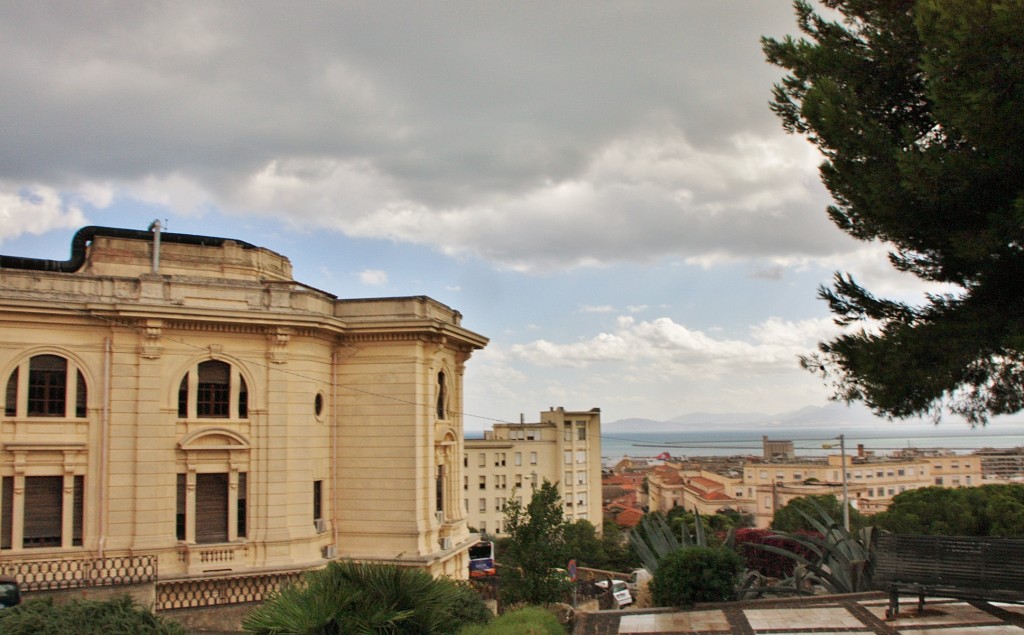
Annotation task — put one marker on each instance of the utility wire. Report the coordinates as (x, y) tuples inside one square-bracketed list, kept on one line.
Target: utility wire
[(256, 363)]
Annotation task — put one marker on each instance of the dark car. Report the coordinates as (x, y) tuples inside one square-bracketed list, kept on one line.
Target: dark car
[(10, 594)]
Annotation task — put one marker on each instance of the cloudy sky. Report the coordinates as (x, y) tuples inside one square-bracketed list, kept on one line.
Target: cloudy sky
[(599, 187)]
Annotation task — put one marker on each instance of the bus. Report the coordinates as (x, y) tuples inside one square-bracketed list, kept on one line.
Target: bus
[(481, 560)]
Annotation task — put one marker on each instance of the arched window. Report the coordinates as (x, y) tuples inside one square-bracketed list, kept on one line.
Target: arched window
[(52, 388), (442, 397), (215, 390)]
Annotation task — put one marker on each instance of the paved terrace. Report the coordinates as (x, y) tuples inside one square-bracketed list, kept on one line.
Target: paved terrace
[(823, 615)]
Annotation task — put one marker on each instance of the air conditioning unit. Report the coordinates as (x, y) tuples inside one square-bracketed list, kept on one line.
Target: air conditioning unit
[(446, 543), (329, 552), (320, 524)]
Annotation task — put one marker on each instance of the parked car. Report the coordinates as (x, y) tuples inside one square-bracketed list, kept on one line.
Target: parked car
[(639, 578), (10, 594), (619, 592)]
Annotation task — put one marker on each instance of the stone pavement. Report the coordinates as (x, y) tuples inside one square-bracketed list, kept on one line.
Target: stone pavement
[(823, 615)]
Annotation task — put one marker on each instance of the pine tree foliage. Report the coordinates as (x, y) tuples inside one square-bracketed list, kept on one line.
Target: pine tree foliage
[(916, 106)]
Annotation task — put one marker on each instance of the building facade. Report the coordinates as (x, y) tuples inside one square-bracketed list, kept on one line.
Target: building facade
[(183, 397), (759, 487), (564, 447)]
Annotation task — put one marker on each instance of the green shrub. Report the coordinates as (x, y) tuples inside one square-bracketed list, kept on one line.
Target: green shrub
[(347, 597), (526, 621), (119, 616), (696, 574)]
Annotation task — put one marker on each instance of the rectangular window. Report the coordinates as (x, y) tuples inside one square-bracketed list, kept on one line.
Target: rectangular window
[(241, 508), (581, 499), (568, 457), (519, 481), (499, 459), (901, 472), (211, 508), (567, 432), (214, 390), (763, 474), (531, 435), (483, 482), (465, 482), (6, 509), (499, 504), (581, 456), (179, 508), (581, 477), (533, 458), (483, 504), (78, 511), (519, 458), (581, 431), (938, 480), (499, 481), (318, 505), (44, 511), (767, 502), (483, 460), (47, 386)]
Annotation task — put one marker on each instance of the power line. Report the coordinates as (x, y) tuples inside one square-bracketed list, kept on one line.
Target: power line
[(255, 363)]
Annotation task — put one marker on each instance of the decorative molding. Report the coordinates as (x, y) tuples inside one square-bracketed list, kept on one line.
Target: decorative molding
[(277, 344), (151, 346)]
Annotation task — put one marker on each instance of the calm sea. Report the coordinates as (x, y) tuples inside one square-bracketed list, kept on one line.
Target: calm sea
[(808, 441)]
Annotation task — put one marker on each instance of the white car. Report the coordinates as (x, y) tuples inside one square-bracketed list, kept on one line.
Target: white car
[(619, 592), (639, 578)]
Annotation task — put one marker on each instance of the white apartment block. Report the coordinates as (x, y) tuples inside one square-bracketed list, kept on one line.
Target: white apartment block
[(564, 447)]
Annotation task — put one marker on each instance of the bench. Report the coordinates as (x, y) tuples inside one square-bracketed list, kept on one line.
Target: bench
[(961, 567)]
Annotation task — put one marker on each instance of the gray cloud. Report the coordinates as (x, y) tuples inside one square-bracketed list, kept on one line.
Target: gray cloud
[(499, 130)]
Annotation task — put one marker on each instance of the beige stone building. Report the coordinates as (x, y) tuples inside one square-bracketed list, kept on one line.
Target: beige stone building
[(181, 398), (564, 447), (759, 487)]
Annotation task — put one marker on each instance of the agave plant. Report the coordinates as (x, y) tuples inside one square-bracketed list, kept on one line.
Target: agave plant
[(843, 561), (655, 539)]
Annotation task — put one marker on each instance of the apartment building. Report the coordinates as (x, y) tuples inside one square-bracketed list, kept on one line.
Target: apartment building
[(182, 398), (564, 447), (759, 487)]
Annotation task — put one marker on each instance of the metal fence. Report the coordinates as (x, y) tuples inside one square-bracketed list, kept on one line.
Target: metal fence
[(75, 573)]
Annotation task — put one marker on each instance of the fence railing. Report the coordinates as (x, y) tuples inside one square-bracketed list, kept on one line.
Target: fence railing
[(216, 591), (76, 573)]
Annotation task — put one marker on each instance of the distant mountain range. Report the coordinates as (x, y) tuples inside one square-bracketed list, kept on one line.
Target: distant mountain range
[(837, 415)]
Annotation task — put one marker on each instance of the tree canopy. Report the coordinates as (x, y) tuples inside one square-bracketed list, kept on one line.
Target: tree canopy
[(915, 105), (535, 548), (789, 519), (989, 510)]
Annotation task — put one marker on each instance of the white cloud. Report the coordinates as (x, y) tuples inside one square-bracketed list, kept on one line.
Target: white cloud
[(604, 308), (373, 277), (671, 348), (36, 210)]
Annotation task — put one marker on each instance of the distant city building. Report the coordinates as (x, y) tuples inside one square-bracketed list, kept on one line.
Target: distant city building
[(1002, 463), (777, 449), (759, 487), (564, 447)]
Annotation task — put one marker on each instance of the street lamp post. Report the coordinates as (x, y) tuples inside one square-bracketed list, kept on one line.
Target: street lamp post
[(846, 491)]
